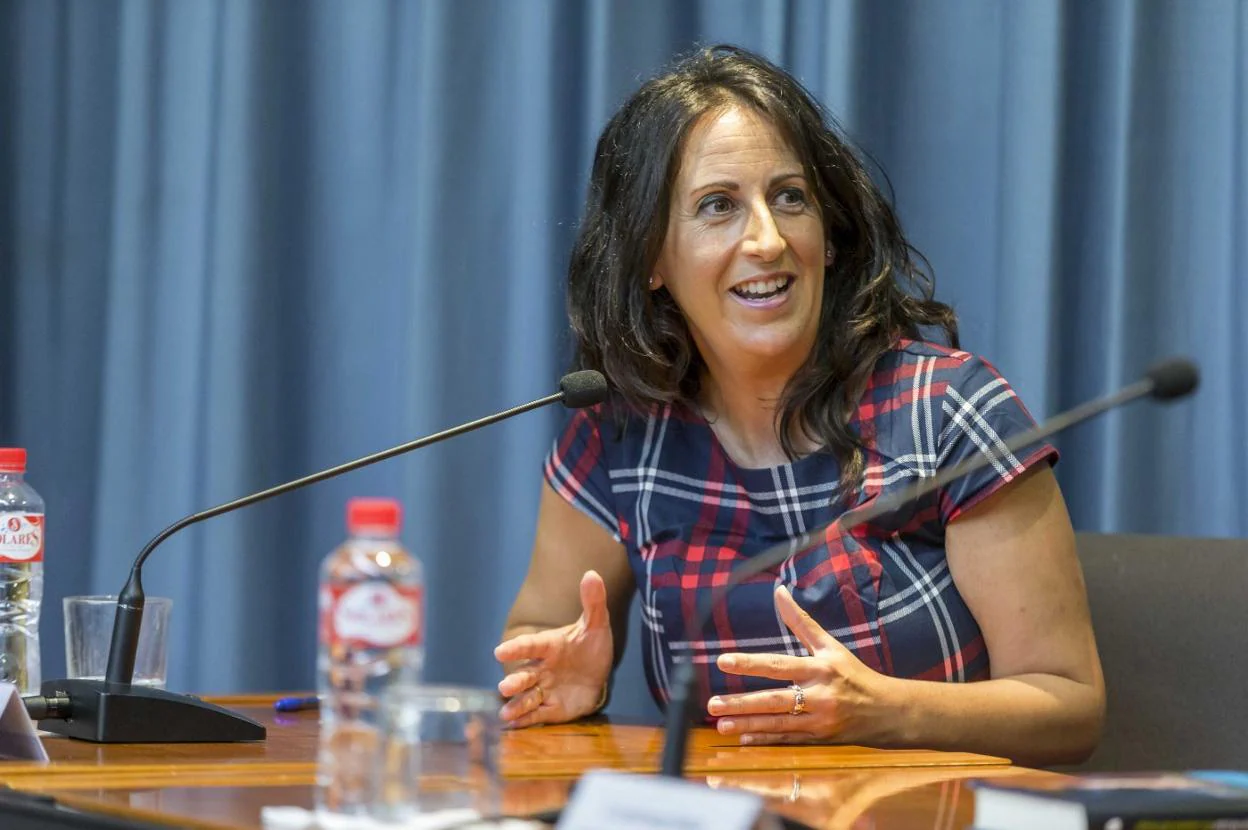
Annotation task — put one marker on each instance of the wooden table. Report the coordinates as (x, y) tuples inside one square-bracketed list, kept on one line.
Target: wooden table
[(217, 786)]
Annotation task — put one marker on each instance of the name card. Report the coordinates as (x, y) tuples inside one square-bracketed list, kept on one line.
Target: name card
[(608, 800), (19, 740)]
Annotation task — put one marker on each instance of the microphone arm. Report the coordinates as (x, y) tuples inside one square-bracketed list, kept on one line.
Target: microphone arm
[(1167, 380), (125, 642), (79, 708)]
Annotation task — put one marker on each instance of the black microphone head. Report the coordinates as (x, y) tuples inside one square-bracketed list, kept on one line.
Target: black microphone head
[(1173, 378), (583, 388)]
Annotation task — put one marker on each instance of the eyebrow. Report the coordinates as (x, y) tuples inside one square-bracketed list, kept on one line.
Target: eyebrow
[(732, 186)]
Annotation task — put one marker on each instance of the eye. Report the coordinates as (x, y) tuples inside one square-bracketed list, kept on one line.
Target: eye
[(791, 197), (715, 205)]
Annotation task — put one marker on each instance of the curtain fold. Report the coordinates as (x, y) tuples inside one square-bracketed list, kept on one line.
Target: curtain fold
[(242, 241)]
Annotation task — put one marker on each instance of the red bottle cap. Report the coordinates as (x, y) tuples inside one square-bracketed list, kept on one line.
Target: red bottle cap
[(12, 460), (384, 516)]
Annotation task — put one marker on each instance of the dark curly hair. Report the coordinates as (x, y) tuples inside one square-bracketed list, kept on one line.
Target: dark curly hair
[(878, 289)]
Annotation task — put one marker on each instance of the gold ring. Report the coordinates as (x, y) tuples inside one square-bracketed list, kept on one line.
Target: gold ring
[(799, 700), (541, 695)]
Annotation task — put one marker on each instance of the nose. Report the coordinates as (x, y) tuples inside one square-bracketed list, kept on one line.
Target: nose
[(763, 240)]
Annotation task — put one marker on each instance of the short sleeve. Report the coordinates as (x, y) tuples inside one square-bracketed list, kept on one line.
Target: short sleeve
[(981, 412), (576, 468)]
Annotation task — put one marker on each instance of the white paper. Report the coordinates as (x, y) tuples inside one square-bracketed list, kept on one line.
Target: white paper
[(607, 800), (19, 740), (297, 818)]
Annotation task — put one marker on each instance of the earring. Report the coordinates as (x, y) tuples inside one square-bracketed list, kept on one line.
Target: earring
[(652, 280)]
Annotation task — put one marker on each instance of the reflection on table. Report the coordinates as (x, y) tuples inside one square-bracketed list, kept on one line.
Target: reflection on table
[(226, 785)]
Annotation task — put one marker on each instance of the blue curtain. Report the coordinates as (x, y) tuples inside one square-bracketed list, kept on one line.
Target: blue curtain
[(241, 241)]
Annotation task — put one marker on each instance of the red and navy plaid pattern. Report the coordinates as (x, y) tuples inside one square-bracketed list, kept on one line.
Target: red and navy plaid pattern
[(688, 515)]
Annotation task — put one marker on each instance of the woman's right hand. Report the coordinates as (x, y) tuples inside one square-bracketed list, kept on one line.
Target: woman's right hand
[(561, 672)]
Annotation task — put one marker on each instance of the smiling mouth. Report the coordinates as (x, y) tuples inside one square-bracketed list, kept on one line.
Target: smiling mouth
[(763, 289)]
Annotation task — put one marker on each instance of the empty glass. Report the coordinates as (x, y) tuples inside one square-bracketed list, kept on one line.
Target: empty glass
[(438, 750), (89, 633)]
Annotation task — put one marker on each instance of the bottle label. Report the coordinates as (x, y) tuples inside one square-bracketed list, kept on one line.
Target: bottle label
[(372, 615), (21, 537)]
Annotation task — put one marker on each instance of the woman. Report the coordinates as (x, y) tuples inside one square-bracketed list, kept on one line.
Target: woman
[(761, 319)]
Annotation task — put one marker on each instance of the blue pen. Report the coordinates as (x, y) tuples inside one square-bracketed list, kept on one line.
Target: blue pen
[(296, 704)]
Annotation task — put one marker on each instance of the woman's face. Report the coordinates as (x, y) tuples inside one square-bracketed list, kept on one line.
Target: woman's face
[(744, 253)]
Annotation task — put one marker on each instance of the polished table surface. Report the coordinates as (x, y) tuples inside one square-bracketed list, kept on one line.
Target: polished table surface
[(226, 785)]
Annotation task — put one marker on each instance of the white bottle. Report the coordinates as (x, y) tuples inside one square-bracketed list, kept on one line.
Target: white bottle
[(21, 573), (371, 634)]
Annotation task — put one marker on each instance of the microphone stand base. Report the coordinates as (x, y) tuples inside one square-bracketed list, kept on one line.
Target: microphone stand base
[(117, 713)]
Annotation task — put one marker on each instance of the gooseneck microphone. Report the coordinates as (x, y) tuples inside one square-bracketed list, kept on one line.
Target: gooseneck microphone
[(1170, 379), (117, 711)]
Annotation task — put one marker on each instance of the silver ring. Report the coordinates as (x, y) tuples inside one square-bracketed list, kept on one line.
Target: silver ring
[(799, 700)]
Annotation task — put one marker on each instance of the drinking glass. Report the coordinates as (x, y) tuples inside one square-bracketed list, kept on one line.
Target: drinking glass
[(437, 750), (89, 633)]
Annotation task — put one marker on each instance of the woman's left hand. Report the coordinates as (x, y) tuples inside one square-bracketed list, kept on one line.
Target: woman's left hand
[(840, 700)]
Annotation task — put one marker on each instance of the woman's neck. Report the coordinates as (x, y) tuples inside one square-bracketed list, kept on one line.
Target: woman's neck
[(741, 409)]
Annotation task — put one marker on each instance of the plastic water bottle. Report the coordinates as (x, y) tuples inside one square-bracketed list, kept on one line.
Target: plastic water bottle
[(21, 573), (371, 634)]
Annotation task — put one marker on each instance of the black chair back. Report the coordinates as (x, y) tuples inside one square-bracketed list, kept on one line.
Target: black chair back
[(1171, 619)]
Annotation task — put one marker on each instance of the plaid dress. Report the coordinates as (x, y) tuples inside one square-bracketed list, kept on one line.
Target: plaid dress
[(687, 515)]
